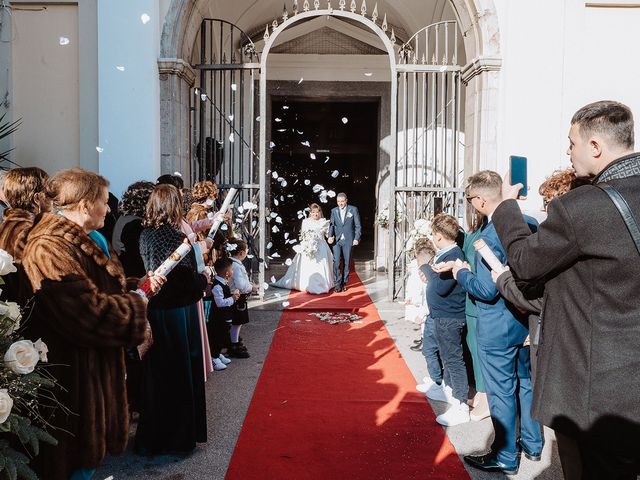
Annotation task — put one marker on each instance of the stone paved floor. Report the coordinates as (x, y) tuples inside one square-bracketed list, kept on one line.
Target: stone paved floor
[(229, 394)]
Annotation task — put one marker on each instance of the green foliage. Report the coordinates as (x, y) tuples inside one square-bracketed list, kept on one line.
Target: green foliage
[(7, 128)]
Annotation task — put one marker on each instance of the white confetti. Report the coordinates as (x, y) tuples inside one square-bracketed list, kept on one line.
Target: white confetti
[(234, 87), (285, 304), (120, 68), (331, 194), (275, 229), (273, 215), (232, 138), (280, 180), (281, 198), (317, 188), (203, 97), (99, 149), (269, 245), (249, 206), (265, 285), (144, 18), (241, 209), (64, 41), (285, 107), (327, 159), (273, 279), (307, 182), (254, 223), (224, 227), (288, 262), (283, 183), (335, 174), (177, 174), (345, 120), (276, 202), (300, 132), (313, 156), (306, 143), (368, 74), (297, 180), (279, 220), (286, 235), (301, 80), (272, 145), (258, 118), (249, 255), (275, 175), (231, 247), (275, 255), (281, 130), (277, 119), (231, 117)]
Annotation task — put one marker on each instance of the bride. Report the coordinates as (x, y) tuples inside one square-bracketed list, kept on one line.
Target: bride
[(312, 267)]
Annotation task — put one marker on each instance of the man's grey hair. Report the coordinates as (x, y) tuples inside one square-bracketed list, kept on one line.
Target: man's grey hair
[(343, 195), (606, 117)]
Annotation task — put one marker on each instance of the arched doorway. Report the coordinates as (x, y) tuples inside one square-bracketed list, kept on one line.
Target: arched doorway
[(477, 37)]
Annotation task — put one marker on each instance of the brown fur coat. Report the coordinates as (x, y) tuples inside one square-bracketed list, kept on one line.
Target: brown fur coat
[(85, 317), (15, 227)]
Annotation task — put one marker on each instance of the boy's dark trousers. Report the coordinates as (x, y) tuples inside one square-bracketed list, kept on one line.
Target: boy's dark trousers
[(449, 335), (218, 331)]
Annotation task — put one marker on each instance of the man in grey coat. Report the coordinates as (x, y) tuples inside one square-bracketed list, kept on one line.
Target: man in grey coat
[(344, 232), (587, 386)]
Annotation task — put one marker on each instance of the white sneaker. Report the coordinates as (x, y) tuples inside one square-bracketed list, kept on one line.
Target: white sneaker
[(425, 385), (439, 393), (224, 359), (217, 364), (457, 414)]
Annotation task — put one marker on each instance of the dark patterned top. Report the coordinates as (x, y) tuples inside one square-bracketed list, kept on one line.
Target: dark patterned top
[(184, 284)]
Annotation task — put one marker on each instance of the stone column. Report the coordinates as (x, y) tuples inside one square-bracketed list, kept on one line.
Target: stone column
[(481, 78), (176, 79)]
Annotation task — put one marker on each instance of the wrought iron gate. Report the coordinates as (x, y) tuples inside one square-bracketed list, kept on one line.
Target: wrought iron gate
[(224, 121), (425, 170), (429, 161)]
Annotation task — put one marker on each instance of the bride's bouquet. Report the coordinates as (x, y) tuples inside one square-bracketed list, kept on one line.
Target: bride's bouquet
[(308, 243)]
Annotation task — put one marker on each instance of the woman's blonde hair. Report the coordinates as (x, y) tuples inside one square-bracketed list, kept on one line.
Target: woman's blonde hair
[(23, 188), (164, 207), (315, 206), (67, 189)]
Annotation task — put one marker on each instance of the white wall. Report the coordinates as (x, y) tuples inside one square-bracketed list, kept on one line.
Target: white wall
[(129, 99), (557, 57)]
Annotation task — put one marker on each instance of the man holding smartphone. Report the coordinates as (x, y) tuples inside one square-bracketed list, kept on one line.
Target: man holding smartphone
[(587, 386)]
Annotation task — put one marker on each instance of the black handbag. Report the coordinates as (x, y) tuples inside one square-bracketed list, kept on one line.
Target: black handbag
[(623, 207)]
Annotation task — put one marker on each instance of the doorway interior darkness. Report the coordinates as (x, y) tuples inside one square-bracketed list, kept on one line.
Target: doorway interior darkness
[(312, 140)]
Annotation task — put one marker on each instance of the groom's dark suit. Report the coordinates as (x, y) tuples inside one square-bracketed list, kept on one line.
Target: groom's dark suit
[(345, 232)]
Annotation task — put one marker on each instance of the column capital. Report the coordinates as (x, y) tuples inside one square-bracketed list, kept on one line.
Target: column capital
[(479, 65), (177, 66)]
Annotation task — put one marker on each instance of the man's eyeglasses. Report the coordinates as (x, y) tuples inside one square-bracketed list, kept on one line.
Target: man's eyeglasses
[(471, 198)]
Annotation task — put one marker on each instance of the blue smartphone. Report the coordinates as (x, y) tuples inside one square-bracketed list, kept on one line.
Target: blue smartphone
[(518, 169)]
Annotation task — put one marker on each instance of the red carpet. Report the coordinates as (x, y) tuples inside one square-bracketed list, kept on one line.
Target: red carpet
[(338, 402)]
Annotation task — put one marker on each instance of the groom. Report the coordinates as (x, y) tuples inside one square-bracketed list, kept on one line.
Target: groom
[(345, 227)]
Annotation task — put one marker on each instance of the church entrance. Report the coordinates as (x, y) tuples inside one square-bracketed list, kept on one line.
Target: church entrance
[(319, 148)]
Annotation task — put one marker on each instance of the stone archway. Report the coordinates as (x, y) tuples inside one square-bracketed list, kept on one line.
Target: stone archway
[(479, 23)]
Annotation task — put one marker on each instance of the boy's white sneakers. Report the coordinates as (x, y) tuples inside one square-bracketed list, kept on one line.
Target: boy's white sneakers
[(440, 393), (425, 385), (457, 414), (218, 364), (224, 359)]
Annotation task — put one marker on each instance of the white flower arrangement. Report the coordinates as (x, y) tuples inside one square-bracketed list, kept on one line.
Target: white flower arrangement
[(25, 385), (421, 229), (308, 244)]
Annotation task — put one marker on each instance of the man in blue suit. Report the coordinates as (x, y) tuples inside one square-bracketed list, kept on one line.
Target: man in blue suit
[(344, 231), (502, 330)]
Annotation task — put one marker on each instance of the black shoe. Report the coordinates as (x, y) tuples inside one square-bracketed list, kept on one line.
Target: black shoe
[(338, 288), (489, 463), (237, 351), (417, 347)]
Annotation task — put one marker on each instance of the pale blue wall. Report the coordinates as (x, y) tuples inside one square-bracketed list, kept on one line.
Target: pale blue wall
[(129, 100)]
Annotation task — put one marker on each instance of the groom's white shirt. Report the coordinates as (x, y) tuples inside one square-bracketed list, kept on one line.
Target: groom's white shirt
[(343, 212)]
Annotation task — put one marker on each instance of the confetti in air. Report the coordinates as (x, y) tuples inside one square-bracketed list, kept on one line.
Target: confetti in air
[(317, 188), (232, 138), (286, 235), (278, 120), (203, 97), (313, 156), (231, 247), (301, 80), (275, 229), (231, 117), (224, 227), (327, 159), (288, 262), (283, 184), (120, 68), (273, 279), (368, 74), (265, 286), (307, 182), (275, 255), (144, 18), (345, 120), (335, 174), (177, 174), (269, 245), (331, 194), (285, 107), (234, 87), (275, 175), (306, 143), (64, 41), (273, 214), (276, 202), (272, 145), (99, 149), (285, 304), (258, 118)]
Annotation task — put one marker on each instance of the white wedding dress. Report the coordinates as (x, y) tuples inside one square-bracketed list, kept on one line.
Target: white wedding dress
[(313, 274)]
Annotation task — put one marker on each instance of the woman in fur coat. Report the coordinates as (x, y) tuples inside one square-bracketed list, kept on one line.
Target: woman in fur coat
[(87, 318)]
